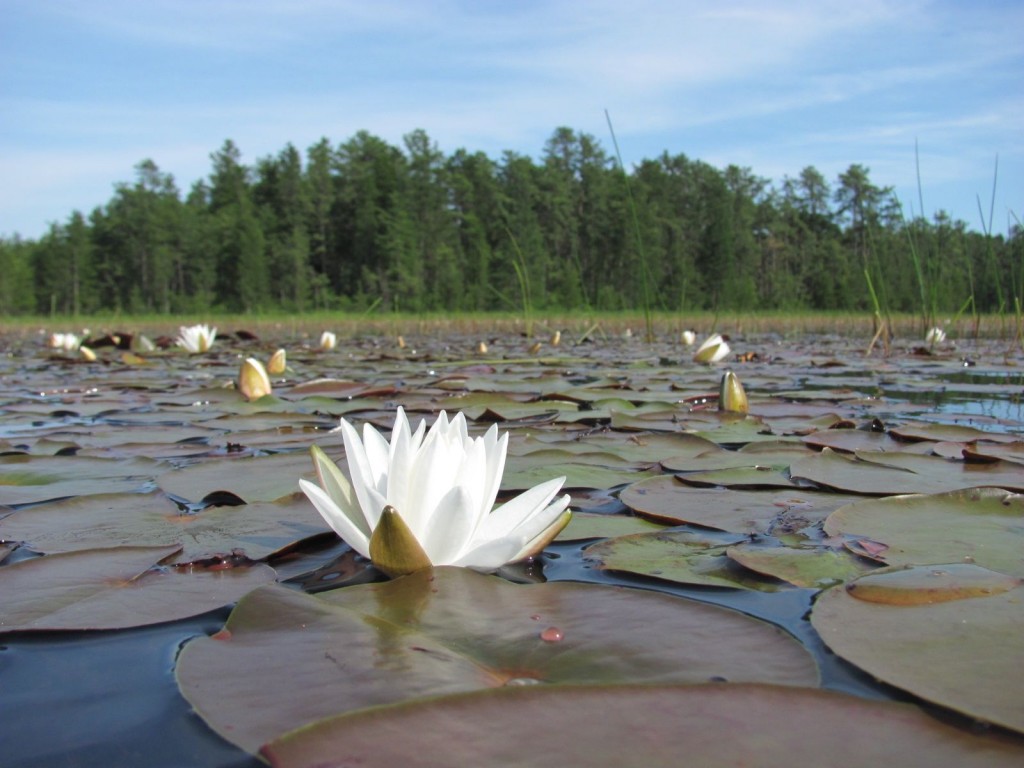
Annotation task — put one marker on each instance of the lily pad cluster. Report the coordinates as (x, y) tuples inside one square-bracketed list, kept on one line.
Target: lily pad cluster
[(144, 489)]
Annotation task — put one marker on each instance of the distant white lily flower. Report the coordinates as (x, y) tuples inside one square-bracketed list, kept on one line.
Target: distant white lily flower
[(278, 363), (328, 340), (714, 349), (935, 335), (425, 500), (196, 338), (688, 337), (67, 342)]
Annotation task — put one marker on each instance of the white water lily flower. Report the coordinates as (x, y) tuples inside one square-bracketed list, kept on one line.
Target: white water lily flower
[(425, 499), (328, 340), (688, 337), (67, 342), (935, 336), (714, 349), (196, 338)]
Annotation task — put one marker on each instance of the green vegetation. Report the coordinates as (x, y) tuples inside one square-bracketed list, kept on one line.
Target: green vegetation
[(367, 224)]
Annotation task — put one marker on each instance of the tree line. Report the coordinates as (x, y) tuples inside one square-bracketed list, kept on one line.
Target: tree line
[(367, 224)]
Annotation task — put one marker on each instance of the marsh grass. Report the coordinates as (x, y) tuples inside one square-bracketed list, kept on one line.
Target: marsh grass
[(386, 327)]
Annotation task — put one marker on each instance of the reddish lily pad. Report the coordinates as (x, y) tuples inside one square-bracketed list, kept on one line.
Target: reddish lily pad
[(662, 726), (449, 630), (965, 654), (114, 589), (921, 584)]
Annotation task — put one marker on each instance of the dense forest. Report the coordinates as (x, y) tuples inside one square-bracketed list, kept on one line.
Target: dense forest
[(367, 224)]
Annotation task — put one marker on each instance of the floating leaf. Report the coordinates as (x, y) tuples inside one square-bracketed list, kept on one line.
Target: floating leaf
[(980, 525), (662, 726), (920, 584), (450, 630), (680, 556), (963, 654), (263, 478), (30, 479), (887, 474), (586, 525), (813, 567), (111, 520), (666, 499), (114, 589)]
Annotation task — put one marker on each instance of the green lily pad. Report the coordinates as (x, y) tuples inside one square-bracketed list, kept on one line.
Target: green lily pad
[(984, 526), (114, 589), (153, 520), (812, 567), (747, 477), (654, 726), (449, 630), (964, 654), (666, 499), (680, 556), (263, 478), (886, 474), (580, 470), (31, 479), (587, 525)]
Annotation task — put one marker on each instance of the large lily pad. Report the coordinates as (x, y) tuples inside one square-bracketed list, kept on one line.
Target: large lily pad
[(965, 654), (886, 474), (663, 726), (451, 630), (667, 499), (114, 589), (29, 479), (263, 478), (980, 525)]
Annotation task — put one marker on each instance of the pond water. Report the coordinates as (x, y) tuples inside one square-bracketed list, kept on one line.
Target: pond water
[(158, 437)]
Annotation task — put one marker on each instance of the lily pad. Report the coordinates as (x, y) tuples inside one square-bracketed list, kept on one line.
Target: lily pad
[(984, 526), (114, 589), (152, 519), (666, 499), (964, 654), (679, 556), (30, 479), (917, 584), (886, 474), (812, 567), (660, 726), (587, 525), (263, 478), (449, 630)]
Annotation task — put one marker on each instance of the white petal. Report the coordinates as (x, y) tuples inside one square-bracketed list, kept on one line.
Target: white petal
[(506, 518), (336, 518), (377, 450), (449, 528), (360, 472), (494, 553)]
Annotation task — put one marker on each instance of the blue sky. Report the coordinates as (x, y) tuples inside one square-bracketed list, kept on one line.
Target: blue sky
[(89, 89)]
